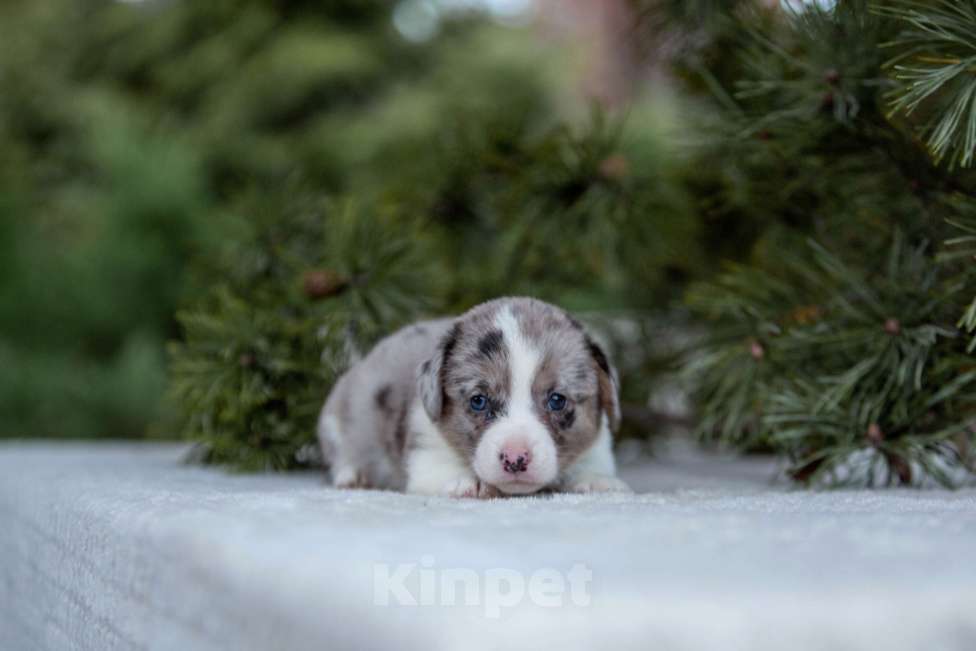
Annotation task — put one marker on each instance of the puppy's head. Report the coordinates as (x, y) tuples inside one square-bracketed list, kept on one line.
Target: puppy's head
[(520, 391)]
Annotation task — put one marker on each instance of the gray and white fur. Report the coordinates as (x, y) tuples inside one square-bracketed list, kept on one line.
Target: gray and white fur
[(512, 397)]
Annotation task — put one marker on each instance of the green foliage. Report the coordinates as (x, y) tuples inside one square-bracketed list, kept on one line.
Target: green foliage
[(836, 343), (129, 135), (960, 251), (934, 63), (239, 386), (497, 225), (95, 267), (842, 359), (299, 180), (301, 288), (567, 215), (797, 72), (156, 156)]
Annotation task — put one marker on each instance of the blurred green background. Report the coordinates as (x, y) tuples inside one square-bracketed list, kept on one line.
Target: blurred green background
[(764, 208), (139, 141)]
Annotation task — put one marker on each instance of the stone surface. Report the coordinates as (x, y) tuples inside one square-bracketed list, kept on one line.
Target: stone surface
[(120, 546)]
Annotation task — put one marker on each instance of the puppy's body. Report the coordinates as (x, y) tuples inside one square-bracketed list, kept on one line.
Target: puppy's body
[(364, 427), (511, 397)]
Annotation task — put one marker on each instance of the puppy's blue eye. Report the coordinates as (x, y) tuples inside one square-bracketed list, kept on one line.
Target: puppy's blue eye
[(556, 401), (479, 403)]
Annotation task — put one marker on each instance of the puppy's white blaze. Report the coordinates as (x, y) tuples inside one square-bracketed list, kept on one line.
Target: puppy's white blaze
[(523, 360), (521, 423)]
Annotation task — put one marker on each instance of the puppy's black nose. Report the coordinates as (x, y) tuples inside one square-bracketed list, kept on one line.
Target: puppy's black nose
[(515, 459), (517, 466)]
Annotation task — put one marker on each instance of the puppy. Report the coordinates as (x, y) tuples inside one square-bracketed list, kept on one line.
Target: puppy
[(512, 397)]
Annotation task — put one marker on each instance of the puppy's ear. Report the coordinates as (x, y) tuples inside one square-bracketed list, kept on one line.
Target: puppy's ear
[(609, 400), (430, 375)]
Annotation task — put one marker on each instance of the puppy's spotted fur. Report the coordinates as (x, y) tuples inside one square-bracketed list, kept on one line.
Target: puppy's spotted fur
[(512, 397)]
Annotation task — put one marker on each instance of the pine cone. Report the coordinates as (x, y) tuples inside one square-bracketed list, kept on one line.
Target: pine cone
[(875, 434), (900, 467), (322, 283), (756, 350), (615, 167)]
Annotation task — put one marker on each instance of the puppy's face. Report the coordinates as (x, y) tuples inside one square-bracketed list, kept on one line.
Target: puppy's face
[(520, 391)]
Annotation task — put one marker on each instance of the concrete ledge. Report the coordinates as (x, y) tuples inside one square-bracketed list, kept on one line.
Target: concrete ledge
[(118, 546)]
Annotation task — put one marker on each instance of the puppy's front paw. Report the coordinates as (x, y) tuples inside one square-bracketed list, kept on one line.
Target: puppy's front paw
[(487, 491), (469, 487), (598, 484), (348, 477)]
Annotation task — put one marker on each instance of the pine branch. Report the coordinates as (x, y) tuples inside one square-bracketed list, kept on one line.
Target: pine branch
[(960, 252), (259, 355), (852, 362), (821, 63), (936, 73)]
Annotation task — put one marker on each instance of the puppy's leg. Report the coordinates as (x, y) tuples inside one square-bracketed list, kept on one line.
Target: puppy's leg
[(344, 471), (595, 471), (434, 468)]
